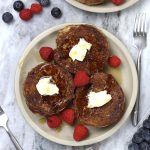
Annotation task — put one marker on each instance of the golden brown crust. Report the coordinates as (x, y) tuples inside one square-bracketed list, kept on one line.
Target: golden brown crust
[(106, 115), (95, 59), (48, 105), (91, 2)]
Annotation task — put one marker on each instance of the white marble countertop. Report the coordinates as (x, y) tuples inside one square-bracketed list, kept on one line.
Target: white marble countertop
[(15, 37)]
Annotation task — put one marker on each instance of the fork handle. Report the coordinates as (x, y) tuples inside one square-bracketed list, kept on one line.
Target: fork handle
[(135, 118), (13, 139)]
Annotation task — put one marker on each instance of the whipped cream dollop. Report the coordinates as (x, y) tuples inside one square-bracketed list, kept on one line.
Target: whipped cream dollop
[(98, 99), (45, 87), (78, 51)]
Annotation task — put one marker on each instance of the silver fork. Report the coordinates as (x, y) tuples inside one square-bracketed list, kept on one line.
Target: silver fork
[(3, 123), (140, 41)]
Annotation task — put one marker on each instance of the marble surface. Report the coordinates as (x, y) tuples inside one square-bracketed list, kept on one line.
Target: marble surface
[(16, 36)]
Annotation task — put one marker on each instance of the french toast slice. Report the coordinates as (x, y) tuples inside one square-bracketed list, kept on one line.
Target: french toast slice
[(92, 2), (106, 115), (48, 105), (96, 58)]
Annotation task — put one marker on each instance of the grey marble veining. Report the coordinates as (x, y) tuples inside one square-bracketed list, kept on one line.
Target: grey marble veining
[(16, 36)]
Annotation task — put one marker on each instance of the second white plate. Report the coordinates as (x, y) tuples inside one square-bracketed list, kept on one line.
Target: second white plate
[(103, 8)]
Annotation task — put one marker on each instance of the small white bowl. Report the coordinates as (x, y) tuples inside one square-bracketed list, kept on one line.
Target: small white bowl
[(103, 8), (31, 58)]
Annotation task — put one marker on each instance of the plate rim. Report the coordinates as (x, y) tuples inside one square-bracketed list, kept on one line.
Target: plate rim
[(101, 10), (88, 141)]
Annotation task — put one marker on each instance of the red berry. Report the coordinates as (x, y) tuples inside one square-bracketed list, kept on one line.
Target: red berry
[(80, 132), (81, 78), (114, 61), (25, 14), (54, 121), (68, 115), (117, 2), (46, 53), (36, 8)]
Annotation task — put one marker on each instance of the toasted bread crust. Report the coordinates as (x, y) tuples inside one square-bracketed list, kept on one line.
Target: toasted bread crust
[(48, 105), (96, 58), (106, 115), (91, 2)]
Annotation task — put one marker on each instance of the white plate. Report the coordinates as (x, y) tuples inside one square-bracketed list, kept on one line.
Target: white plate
[(103, 8), (31, 58)]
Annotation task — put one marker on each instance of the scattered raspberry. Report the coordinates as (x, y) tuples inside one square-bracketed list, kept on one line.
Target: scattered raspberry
[(117, 2), (80, 132), (25, 14), (68, 115), (114, 61), (46, 53), (36, 8), (81, 78), (54, 121)]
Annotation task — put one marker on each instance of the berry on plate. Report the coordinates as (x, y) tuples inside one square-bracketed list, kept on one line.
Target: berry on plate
[(80, 132), (117, 2), (46, 53), (54, 121), (114, 61), (56, 12), (44, 3), (18, 5), (81, 78), (36, 8), (7, 17), (25, 14), (68, 115)]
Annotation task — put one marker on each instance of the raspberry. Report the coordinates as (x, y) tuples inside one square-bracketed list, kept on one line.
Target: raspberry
[(25, 14), (36, 8), (54, 121), (117, 2), (81, 78), (46, 53), (68, 115), (80, 132), (114, 61)]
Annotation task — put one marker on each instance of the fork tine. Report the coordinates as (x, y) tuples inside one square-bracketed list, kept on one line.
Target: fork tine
[(145, 25), (142, 24), (139, 25), (135, 26), (1, 110), (143, 28)]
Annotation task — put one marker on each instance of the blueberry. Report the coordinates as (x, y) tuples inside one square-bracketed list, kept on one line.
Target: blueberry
[(146, 136), (18, 5), (7, 17), (146, 124), (56, 12), (44, 3), (137, 138), (133, 146), (144, 146)]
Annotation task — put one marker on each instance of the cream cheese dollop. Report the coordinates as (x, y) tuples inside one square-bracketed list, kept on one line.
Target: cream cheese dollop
[(45, 87), (78, 51), (98, 99)]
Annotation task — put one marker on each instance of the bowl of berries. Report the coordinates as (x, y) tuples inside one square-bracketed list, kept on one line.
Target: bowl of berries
[(76, 84), (140, 140)]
